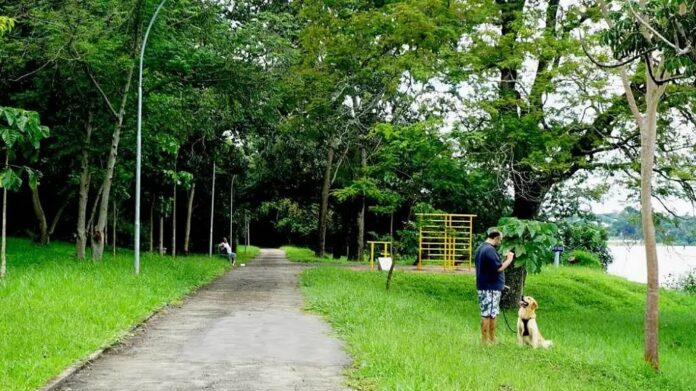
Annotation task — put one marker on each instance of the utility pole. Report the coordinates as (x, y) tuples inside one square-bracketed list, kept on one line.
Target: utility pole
[(212, 214), (138, 151), (231, 238)]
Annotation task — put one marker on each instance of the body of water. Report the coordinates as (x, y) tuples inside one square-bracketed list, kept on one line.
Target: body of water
[(629, 261)]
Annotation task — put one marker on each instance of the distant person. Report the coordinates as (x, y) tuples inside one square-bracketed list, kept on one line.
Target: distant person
[(490, 280), (226, 250)]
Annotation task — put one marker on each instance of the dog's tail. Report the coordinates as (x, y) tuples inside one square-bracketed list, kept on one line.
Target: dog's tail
[(546, 343)]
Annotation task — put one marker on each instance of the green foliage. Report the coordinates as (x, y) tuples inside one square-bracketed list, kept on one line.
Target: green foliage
[(675, 20), (686, 282), (361, 187), (407, 245), (21, 132), (512, 129), (530, 240), (425, 331), (583, 258), (56, 311), (21, 127), (414, 162), (10, 180), (181, 178), (6, 24), (673, 230), (585, 235), (295, 222)]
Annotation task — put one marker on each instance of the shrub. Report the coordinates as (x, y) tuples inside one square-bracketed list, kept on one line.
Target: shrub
[(530, 240), (686, 283), (587, 236), (583, 258)]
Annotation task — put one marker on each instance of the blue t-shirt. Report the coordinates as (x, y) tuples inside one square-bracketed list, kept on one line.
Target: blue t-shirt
[(488, 262)]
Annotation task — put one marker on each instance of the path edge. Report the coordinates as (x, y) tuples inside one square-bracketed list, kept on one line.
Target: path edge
[(58, 381)]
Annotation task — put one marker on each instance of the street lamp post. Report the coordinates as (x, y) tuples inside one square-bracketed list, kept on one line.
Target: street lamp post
[(136, 261)]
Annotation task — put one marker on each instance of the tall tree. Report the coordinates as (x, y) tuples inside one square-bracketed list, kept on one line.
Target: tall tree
[(549, 113), (356, 56), (637, 31)]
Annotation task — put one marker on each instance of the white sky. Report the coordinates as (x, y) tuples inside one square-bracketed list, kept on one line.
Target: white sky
[(619, 198)]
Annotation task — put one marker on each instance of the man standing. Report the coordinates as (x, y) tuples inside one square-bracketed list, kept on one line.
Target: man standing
[(490, 280)]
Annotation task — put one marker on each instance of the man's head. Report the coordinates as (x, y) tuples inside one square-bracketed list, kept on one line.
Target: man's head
[(224, 240), (494, 238)]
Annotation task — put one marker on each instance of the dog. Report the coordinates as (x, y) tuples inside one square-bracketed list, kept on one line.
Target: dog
[(527, 327)]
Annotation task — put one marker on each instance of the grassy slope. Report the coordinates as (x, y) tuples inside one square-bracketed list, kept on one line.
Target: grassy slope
[(55, 310), (424, 334), (301, 254)]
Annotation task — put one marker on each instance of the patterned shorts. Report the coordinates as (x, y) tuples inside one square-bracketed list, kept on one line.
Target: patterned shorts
[(489, 302)]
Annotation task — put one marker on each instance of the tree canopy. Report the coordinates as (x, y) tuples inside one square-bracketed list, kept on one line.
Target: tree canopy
[(332, 122)]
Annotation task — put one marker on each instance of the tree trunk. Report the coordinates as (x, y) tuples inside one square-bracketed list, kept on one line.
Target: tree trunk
[(3, 247), (106, 232), (529, 194), (174, 223), (113, 229), (648, 132), (59, 214), (361, 212), (526, 201), (98, 237), (323, 212), (90, 223), (40, 215), (212, 214), (391, 225), (85, 177), (152, 225), (337, 239), (233, 243), (647, 160), (515, 278), (248, 232), (161, 233), (189, 212), (391, 271)]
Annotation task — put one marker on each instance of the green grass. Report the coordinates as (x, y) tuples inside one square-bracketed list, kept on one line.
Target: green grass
[(305, 255), (55, 310), (424, 333)]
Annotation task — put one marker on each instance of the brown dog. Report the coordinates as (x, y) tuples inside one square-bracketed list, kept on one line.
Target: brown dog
[(527, 328)]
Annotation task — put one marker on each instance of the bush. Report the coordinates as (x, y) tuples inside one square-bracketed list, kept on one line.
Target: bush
[(583, 258), (686, 283), (530, 240), (587, 236)]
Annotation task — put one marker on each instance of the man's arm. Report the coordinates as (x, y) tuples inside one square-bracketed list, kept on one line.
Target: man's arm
[(509, 257)]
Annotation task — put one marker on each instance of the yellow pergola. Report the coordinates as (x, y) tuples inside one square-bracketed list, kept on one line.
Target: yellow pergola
[(445, 238)]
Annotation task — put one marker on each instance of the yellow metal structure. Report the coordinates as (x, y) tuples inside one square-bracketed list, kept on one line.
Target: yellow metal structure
[(386, 251), (446, 239)]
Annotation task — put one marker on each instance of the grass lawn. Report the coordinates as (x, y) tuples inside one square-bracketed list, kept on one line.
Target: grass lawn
[(301, 254), (424, 333), (306, 255), (55, 310)]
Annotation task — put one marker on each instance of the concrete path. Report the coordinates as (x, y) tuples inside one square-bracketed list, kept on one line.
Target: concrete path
[(245, 331)]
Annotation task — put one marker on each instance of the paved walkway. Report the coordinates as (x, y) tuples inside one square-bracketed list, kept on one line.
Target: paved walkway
[(246, 331)]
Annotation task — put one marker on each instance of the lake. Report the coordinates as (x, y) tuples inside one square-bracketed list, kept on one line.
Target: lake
[(629, 261)]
